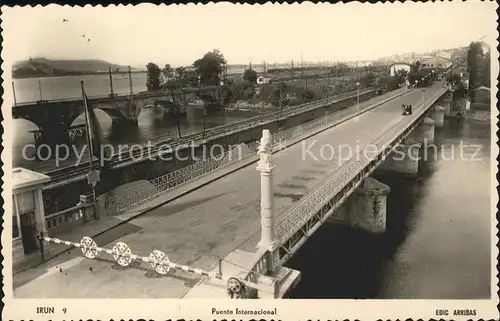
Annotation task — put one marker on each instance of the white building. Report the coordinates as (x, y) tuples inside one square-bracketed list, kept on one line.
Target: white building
[(263, 80), (399, 66), (28, 215)]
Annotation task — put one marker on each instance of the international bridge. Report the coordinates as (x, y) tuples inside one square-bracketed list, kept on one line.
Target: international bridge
[(233, 236)]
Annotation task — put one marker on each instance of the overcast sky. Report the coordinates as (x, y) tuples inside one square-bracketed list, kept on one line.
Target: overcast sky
[(276, 33)]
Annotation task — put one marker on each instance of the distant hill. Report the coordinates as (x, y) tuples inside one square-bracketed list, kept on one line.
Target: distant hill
[(412, 57), (40, 67)]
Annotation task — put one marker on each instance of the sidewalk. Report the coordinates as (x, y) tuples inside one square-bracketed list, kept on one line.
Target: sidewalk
[(106, 223)]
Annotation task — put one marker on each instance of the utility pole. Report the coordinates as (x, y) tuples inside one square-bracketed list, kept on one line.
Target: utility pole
[(176, 113), (281, 99), (130, 81), (204, 119), (328, 89), (14, 92), (301, 66), (357, 71), (40, 89), (111, 82)]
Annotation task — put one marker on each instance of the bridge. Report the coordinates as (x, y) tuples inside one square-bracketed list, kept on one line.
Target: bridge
[(236, 232), (54, 117), (68, 183)]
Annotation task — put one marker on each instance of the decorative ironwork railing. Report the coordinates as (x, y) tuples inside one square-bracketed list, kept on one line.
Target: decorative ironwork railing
[(260, 267), (342, 177), (68, 216)]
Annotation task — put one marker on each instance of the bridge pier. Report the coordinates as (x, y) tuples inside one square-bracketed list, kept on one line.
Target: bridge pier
[(404, 159), (424, 133), (366, 208), (438, 116), (446, 102)]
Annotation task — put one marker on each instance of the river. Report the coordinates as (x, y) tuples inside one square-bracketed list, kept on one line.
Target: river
[(437, 244), (149, 125)]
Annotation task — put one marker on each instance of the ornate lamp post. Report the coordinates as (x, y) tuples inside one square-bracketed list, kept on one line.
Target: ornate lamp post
[(265, 166)]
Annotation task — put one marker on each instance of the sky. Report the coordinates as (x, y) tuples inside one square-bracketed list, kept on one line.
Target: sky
[(178, 35)]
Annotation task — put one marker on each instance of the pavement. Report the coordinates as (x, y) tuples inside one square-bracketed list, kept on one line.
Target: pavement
[(205, 224)]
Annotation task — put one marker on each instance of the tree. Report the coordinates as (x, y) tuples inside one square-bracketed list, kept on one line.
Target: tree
[(416, 75), (180, 73), (250, 75), (401, 75), (168, 72), (453, 78), (474, 60), (153, 81), (211, 67), (483, 76)]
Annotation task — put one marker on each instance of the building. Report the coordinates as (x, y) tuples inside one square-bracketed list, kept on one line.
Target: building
[(399, 66), (28, 215), (437, 62), (263, 80)]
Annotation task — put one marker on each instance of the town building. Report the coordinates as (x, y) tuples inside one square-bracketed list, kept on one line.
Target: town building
[(437, 62), (28, 215), (263, 80), (399, 66)]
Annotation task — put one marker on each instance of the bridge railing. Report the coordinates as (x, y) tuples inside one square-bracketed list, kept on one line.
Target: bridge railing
[(344, 178), (60, 175), (140, 194), (252, 121), (159, 185), (69, 216)]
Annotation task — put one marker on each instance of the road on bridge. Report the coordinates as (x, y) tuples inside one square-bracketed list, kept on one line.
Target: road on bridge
[(209, 222)]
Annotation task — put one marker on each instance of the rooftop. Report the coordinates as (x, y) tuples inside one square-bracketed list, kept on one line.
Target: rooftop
[(23, 177)]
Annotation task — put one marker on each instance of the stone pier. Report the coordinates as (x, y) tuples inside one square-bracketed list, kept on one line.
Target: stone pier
[(446, 104), (424, 133), (438, 116), (366, 208), (403, 160)]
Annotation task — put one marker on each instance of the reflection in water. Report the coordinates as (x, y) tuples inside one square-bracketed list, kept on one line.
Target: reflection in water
[(437, 243), (151, 124)]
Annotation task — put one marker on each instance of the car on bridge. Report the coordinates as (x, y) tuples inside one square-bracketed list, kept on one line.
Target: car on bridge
[(406, 110)]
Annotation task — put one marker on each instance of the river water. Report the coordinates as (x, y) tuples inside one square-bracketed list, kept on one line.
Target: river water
[(437, 244), (150, 124)]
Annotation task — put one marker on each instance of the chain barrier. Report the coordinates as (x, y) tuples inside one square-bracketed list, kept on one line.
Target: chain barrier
[(159, 261)]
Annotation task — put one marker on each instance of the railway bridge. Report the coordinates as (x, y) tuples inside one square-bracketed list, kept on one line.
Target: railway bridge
[(54, 117), (235, 233)]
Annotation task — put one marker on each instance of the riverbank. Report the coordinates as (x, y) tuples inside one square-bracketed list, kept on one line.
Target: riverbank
[(479, 115)]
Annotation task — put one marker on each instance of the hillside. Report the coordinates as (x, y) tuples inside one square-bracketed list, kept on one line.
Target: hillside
[(39, 67), (411, 57)]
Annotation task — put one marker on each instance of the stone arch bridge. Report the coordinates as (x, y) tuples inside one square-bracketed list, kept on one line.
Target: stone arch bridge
[(54, 118)]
